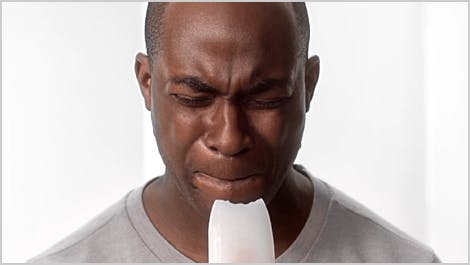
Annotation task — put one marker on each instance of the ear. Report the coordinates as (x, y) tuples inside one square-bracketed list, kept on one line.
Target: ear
[(312, 70), (143, 74)]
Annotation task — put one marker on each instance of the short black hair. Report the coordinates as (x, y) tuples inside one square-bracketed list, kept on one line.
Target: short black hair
[(155, 17)]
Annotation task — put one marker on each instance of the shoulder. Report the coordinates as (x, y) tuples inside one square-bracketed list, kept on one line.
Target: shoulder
[(109, 236), (354, 233)]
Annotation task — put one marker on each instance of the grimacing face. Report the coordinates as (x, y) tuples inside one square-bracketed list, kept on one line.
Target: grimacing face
[(228, 100)]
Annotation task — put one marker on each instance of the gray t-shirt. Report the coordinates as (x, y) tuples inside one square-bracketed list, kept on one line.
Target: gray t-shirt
[(338, 229)]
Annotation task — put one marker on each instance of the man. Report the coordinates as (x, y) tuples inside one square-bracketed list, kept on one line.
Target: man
[(228, 86)]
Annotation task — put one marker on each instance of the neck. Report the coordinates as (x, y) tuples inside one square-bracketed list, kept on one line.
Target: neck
[(186, 229)]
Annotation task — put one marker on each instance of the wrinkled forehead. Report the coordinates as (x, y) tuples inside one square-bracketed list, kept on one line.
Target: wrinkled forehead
[(245, 25), (229, 40)]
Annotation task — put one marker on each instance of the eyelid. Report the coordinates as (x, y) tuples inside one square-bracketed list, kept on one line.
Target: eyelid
[(191, 101), (266, 103), (194, 97)]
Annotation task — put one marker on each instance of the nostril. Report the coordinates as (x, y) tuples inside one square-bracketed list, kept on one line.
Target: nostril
[(212, 148), (228, 151)]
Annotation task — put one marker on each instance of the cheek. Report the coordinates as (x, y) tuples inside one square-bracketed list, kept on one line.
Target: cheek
[(281, 130), (176, 132)]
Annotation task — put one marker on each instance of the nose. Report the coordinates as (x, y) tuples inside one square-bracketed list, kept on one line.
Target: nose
[(228, 131)]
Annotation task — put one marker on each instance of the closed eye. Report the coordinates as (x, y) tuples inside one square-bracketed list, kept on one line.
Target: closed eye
[(266, 103), (193, 102)]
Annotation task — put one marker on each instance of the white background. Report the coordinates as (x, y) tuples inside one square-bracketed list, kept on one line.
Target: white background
[(388, 123)]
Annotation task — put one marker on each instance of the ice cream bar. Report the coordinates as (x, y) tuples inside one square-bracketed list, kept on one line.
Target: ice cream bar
[(240, 233)]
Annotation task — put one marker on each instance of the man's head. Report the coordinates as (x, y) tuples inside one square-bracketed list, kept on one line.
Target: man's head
[(228, 89)]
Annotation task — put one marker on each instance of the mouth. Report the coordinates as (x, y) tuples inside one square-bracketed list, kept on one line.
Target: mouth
[(222, 178), (224, 185)]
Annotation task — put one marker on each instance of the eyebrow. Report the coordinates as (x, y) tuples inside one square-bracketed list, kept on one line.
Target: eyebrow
[(194, 83), (199, 86), (265, 85)]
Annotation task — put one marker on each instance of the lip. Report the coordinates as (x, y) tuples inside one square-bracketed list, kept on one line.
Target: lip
[(222, 178), (225, 184)]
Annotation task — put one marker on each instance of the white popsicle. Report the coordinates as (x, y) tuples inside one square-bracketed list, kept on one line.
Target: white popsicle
[(240, 233)]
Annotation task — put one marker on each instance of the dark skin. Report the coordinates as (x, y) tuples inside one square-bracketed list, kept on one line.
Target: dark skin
[(228, 96)]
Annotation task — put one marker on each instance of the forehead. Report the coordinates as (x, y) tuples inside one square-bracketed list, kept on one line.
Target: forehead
[(244, 17), (239, 26), (224, 31)]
